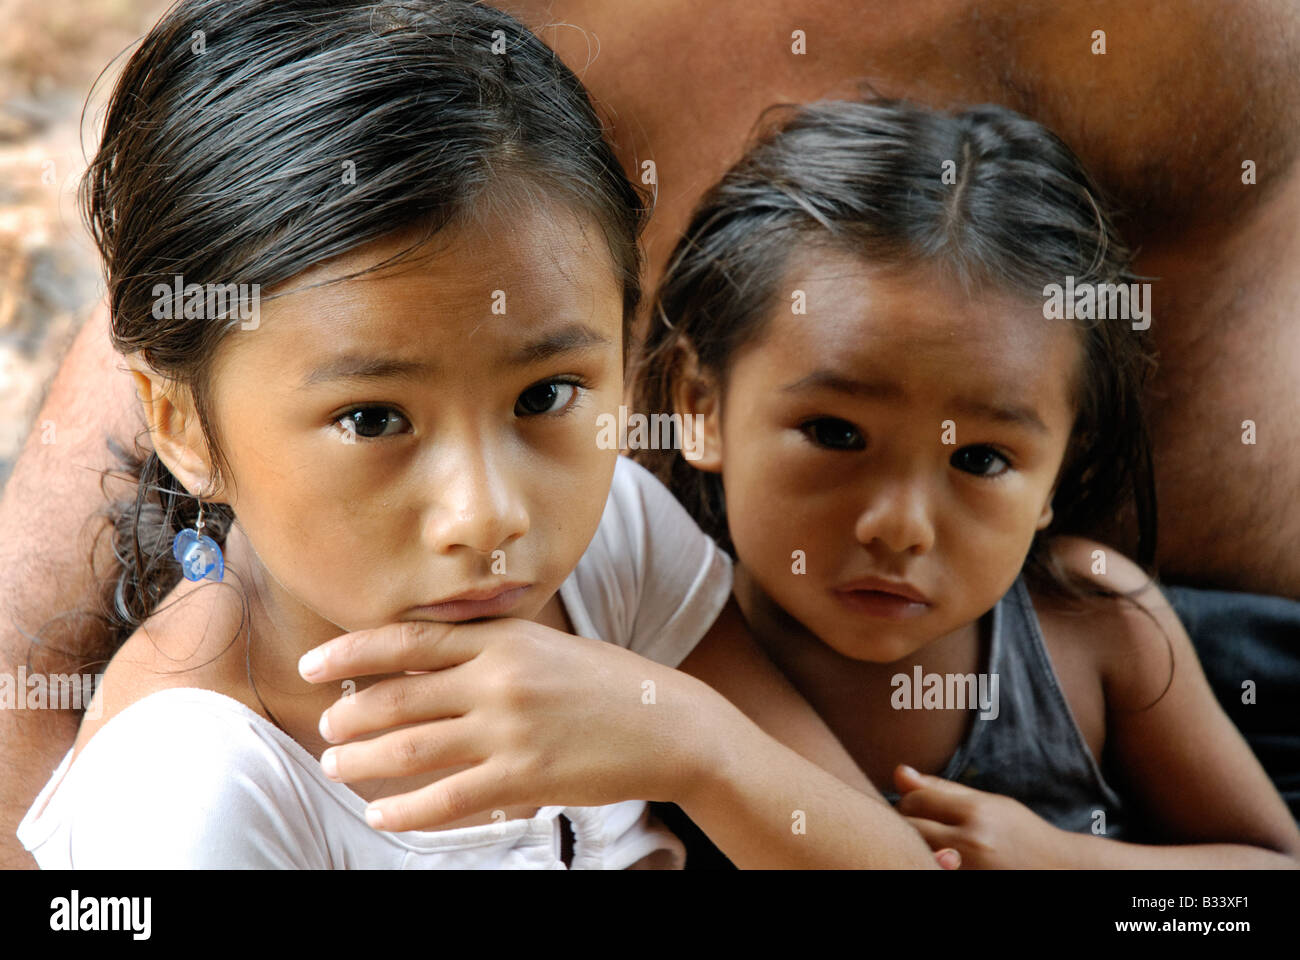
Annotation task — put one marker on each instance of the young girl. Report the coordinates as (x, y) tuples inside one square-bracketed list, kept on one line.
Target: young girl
[(903, 436), (403, 431)]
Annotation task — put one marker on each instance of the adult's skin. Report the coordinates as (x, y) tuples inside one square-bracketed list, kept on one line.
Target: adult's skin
[(1187, 91)]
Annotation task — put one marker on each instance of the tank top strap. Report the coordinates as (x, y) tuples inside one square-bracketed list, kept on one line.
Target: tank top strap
[(1032, 749)]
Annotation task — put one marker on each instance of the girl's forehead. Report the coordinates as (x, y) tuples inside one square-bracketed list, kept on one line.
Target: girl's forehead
[(836, 300), (837, 319), (522, 247), (472, 284)]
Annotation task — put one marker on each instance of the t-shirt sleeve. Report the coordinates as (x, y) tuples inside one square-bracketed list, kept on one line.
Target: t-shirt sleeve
[(651, 580), (155, 791)]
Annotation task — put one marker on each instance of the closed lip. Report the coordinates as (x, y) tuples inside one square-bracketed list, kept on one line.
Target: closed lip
[(898, 588), (479, 594)]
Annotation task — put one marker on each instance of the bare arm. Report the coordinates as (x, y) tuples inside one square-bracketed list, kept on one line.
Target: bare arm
[(1184, 764), (1190, 766), (785, 792), (45, 543)]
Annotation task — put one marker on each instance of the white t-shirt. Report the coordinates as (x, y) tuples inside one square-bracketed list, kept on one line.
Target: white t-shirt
[(190, 778)]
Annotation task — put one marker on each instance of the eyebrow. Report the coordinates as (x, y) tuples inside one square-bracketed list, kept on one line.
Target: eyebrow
[(889, 390), (357, 366), (572, 336)]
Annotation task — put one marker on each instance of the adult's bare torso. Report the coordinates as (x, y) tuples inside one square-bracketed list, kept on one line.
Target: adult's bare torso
[(1186, 92)]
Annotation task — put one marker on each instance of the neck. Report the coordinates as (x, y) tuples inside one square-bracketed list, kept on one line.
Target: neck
[(279, 630), (854, 698), (815, 667), (774, 629)]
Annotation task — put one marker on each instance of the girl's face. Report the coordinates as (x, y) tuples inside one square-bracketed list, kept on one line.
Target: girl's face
[(405, 437), (897, 430)]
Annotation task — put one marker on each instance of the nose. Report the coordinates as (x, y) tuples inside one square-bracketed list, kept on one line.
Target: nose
[(477, 504), (898, 517)]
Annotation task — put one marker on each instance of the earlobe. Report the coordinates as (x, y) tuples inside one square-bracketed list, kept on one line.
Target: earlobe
[(695, 397), (1045, 519), (174, 427)]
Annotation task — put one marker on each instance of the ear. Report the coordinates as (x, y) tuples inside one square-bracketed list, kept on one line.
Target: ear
[(697, 396), (174, 427), (1045, 518)]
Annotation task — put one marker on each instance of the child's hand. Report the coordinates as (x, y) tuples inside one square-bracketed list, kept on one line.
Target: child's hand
[(540, 717), (989, 830)]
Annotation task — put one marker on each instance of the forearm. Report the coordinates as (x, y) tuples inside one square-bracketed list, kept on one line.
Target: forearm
[(1100, 853), (32, 742), (46, 548), (767, 807)]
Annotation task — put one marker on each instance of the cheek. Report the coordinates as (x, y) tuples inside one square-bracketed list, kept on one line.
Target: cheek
[(320, 523), (566, 512), (566, 469), (995, 531), (773, 509), (984, 540), (332, 543)]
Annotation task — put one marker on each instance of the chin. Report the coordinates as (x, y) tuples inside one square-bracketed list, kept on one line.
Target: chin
[(877, 649)]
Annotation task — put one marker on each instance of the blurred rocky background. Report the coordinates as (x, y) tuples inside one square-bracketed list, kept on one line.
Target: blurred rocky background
[(51, 54)]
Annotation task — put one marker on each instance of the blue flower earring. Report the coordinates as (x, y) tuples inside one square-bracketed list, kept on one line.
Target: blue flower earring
[(199, 556)]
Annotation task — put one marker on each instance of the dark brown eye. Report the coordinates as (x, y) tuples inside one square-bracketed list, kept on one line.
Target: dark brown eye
[(834, 434), (372, 422), (980, 460), (549, 397)]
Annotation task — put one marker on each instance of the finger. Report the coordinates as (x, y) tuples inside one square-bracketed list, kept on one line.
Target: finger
[(395, 702), (422, 748), (393, 648), (481, 787), (948, 858), (908, 778), (932, 805), (939, 836)]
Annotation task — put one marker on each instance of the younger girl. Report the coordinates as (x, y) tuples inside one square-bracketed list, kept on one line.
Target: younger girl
[(904, 433), (403, 431)]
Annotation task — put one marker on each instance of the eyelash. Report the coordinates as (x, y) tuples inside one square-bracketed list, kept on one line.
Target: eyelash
[(579, 383), (351, 415), (984, 446), (807, 427)]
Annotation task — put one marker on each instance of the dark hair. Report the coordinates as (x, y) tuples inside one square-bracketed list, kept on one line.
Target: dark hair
[(1020, 213), (222, 160)]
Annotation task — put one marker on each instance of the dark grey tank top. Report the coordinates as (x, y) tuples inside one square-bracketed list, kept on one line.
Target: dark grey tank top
[(1033, 750)]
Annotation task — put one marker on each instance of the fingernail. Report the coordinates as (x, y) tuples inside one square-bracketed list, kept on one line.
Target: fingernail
[(949, 859), (910, 771), (329, 762), (325, 732), (375, 817), (311, 663)]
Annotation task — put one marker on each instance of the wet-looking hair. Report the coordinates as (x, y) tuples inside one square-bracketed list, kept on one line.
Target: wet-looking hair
[(248, 140), (1017, 213)]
